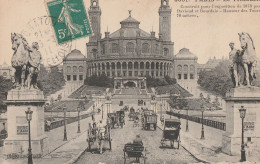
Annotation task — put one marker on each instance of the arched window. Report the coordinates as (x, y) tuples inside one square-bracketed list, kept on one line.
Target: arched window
[(179, 69), (114, 48), (5, 74), (130, 47), (80, 69), (192, 68), (94, 51), (145, 48), (68, 69), (156, 48), (185, 69), (165, 51), (74, 69)]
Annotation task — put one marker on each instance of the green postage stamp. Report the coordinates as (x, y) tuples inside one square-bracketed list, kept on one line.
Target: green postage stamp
[(69, 19)]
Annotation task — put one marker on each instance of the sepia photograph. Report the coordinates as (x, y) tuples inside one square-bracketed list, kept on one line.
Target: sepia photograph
[(129, 81)]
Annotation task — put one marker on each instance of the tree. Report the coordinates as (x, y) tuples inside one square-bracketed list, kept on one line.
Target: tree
[(217, 80), (50, 82), (101, 81), (5, 86)]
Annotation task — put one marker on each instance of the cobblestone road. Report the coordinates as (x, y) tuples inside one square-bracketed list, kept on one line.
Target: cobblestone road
[(151, 140)]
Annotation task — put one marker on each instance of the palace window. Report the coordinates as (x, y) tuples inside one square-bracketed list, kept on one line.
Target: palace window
[(74, 77), (185, 76), (165, 51), (68, 78), (179, 76), (147, 73), (74, 69), (191, 76), (145, 48), (68, 69), (130, 47), (80, 77), (130, 73), (80, 69), (114, 48), (136, 73), (94, 51)]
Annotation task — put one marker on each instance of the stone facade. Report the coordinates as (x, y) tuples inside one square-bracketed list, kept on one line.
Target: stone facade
[(74, 66), (131, 52), (6, 71)]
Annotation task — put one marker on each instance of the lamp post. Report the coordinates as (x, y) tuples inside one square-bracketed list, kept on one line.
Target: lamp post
[(78, 109), (93, 112), (65, 122), (102, 111), (202, 127), (187, 122), (29, 118), (242, 112)]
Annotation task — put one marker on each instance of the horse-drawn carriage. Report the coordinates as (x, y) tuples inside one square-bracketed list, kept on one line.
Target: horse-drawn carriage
[(149, 118), (134, 150), (100, 136), (171, 132), (113, 119)]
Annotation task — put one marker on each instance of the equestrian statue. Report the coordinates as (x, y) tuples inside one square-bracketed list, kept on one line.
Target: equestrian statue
[(243, 61), (26, 61)]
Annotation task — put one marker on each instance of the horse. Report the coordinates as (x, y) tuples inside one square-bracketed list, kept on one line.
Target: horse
[(248, 57), (20, 58)]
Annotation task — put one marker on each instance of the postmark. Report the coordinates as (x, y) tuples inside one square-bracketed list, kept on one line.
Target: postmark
[(72, 21), (40, 30)]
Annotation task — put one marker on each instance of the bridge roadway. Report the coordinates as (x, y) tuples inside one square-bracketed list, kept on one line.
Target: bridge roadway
[(151, 140)]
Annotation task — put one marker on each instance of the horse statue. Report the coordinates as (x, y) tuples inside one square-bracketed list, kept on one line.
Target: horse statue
[(247, 58), (25, 60)]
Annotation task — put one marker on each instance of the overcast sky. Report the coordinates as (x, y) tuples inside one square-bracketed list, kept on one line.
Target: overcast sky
[(206, 36)]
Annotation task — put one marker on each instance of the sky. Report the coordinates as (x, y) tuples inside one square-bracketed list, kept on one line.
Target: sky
[(206, 36)]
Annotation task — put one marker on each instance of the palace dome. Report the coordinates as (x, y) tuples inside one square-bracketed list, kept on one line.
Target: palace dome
[(185, 53), (75, 54)]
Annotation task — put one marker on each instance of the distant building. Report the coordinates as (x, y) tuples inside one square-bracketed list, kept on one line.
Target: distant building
[(6, 71), (74, 66), (210, 64)]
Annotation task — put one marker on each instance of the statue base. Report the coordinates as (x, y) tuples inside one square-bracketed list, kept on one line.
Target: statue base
[(249, 97), (17, 143)]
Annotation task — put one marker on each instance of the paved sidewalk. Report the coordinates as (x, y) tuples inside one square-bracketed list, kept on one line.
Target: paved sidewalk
[(207, 151), (62, 152)]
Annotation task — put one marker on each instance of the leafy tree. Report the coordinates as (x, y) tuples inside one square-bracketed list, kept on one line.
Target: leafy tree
[(217, 80), (5, 86), (50, 82), (169, 80), (101, 81)]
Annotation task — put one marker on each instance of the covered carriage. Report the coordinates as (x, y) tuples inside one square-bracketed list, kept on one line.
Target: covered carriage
[(134, 150), (171, 132)]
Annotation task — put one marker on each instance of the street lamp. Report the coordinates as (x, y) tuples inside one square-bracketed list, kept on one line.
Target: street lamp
[(202, 127), (78, 109), (29, 118), (65, 122), (187, 122), (102, 110), (93, 112), (242, 111)]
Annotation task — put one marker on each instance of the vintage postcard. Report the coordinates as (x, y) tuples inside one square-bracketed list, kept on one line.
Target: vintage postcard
[(129, 81)]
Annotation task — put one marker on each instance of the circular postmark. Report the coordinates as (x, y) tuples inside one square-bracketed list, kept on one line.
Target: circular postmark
[(40, 30)]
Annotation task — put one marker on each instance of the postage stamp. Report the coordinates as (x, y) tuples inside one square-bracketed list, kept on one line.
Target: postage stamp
[(72, 20)]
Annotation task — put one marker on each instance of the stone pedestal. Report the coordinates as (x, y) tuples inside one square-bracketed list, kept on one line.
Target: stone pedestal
[(249, 97), (16, 144)]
